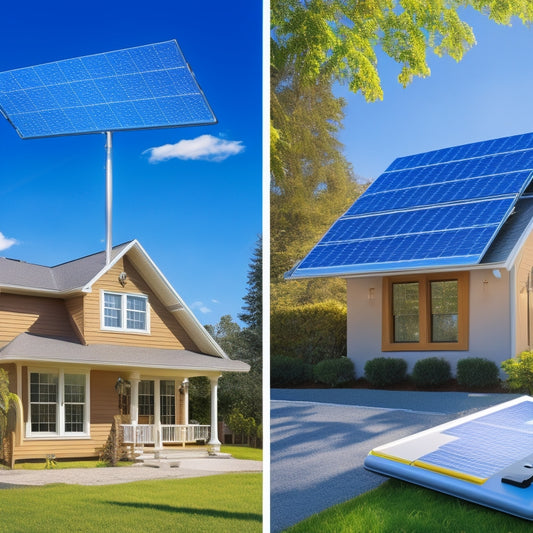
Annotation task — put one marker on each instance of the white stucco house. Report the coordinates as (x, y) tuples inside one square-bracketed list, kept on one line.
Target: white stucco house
[(438, 256)]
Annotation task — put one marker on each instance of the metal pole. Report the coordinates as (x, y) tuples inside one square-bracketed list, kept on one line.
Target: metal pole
[(109, 196)]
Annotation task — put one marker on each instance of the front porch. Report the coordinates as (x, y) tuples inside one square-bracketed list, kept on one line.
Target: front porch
[(161, 434)]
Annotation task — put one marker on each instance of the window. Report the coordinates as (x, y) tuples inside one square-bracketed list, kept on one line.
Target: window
[(168, 402), (125, 312), (58, 404), (427, 312), (146, 399)]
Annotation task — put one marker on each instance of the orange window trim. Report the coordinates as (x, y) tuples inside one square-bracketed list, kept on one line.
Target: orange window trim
[(425, 344)]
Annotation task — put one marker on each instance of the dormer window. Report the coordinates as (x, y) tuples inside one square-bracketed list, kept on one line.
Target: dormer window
[(125, 312)]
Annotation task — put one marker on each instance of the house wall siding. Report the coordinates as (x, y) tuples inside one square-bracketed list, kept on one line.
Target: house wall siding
[(165, 331), (489, 322), (41, 316), (524, 298), (103, 407)]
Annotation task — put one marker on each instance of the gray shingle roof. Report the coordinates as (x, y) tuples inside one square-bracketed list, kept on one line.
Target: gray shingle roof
[(61, 278), (28, 347), (511, 232)]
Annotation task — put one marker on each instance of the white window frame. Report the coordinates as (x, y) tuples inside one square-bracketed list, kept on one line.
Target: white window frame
[(123, 310), (60, 405)]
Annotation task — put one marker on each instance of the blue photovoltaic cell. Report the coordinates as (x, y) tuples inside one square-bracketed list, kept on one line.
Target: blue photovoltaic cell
[(488, 444), (148, 86), (447, 217), (466, 151), (440, 208)]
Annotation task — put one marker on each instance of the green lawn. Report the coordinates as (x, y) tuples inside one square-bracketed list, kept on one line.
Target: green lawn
[(221, 503), (243, 452), (397, 507)]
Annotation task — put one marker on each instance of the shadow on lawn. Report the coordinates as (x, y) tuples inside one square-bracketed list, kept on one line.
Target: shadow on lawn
[(214, 513)]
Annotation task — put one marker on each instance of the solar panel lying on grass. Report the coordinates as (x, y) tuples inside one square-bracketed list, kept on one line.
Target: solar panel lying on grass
[(485, 458), (143, 87), (441, 208)]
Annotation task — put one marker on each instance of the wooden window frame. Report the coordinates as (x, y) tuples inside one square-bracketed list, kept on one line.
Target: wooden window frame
[(424, 280)]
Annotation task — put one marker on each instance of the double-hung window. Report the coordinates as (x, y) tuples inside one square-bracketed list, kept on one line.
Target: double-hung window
[(58, 403), (425, 312), (125, 312)]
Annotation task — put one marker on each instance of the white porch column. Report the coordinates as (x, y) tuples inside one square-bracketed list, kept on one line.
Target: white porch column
[(134, 398), (157, 414), (214, 442), (185, 387)]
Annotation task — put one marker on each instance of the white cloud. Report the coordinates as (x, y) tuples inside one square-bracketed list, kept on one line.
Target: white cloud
[(6, 243), (205, 147), (200, 307)]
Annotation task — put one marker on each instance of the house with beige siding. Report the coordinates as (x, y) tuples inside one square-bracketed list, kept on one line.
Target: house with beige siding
[(438, 256), (87, 340)]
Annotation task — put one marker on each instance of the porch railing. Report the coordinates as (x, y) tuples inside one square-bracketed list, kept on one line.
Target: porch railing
[(139, 434)]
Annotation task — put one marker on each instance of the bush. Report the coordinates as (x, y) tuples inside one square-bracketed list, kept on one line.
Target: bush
[(334, 371), (520, 372), (312, 332), (384, 371), (477, 372), (431, 372), (289, 371)]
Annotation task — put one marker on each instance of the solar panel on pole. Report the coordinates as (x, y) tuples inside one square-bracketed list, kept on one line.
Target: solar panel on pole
[(144, 87), (148, 86)]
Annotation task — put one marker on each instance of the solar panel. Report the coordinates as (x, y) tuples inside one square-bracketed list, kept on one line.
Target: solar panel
[(441, 208), (484, 457), (148, 86)]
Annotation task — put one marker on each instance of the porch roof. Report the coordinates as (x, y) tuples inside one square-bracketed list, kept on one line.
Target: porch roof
[(38, 349)]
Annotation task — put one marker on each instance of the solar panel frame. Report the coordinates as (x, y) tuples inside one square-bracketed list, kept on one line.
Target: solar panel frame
[(144, 87)]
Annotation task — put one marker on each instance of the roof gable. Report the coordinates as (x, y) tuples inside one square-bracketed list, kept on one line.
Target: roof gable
[(440, 209), (80, 275)]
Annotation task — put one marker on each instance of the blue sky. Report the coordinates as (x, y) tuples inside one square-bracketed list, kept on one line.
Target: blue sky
[(194, 206), (485, 96)]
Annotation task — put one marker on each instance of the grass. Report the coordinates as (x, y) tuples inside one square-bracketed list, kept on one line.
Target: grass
[(398, 507), (221, 503), (243, 452)]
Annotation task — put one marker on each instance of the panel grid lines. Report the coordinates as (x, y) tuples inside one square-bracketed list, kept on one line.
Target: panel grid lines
[(144, 87), (446, 212)]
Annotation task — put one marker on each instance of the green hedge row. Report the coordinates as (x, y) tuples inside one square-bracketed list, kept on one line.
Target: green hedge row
[(286, 371), (472, 372), (312, 332)]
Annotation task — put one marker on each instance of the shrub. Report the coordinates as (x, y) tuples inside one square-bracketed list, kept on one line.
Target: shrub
[(384, 371), (334, 371), (477, 372), (520, 372), (431, 372), (289, 371), (311, 332)]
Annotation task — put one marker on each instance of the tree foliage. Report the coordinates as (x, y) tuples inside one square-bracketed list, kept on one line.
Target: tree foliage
[(6, 401), (338, 39), (311, 181)]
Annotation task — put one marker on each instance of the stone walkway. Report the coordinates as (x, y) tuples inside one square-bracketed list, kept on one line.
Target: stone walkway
[(109, 476)]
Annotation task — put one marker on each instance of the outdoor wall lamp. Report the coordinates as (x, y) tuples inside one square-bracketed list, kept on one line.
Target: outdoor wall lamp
[(371, 293)]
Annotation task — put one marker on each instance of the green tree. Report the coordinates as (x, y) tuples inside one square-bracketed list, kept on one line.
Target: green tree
[(311, 181), (6, 401), (252, 310), (338, 39)]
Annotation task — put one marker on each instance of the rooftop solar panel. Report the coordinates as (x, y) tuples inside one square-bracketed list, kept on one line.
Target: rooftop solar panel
[(441, 208), (148, 86)]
